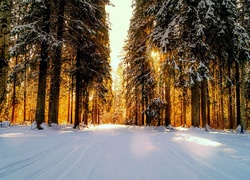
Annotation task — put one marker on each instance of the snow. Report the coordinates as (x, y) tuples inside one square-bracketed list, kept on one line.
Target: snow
[(122, 152)]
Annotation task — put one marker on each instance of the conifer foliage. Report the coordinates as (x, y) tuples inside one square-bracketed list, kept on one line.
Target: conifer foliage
[(64, 47), (185, 63), (5, 9), (202, 47)]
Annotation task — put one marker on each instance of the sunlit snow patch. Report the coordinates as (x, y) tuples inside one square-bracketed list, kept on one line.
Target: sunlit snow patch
[(9, 135), (197, 140)]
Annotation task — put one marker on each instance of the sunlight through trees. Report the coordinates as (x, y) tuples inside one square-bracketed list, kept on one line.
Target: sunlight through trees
[(184, 63)]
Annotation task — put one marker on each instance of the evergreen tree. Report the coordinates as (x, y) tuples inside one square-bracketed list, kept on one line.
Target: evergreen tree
[(35, 30), (5, 18), (89, 28), (56, 66), (186, 32), (138, 72)]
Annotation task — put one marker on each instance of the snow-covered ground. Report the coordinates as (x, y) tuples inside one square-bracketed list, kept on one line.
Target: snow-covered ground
[(116, 152)]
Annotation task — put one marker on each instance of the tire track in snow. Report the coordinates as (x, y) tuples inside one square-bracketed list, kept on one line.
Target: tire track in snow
[(73, 154), (11, 168), (180, 161), (202, 166), (97, 158)]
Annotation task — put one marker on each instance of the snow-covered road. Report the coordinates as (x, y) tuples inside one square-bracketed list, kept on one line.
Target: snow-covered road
[(115, 152)]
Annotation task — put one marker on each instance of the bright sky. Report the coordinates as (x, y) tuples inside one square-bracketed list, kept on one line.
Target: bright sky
[(120, 16)]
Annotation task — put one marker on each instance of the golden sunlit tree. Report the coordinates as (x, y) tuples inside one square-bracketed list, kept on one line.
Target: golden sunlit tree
[(138, 74), (5, 17)]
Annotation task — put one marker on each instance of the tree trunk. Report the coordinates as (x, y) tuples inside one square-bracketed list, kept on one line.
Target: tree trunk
[(41, 95), (69, 106), (143, 109), (242, 99), (98, 116), (184, 106), (203, 103), (136, 107), (146, 106), (94, 109), (72, 99), (238, 103), (168, 105), (208, 107), (5, 14), (195, 105), (86, 104), (77, 90), (56, 69), (230, 102), (25, 92), (13, 119), (221, 121)]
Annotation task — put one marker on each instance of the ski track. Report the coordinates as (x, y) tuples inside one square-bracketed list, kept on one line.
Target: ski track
[(220, 166), (71, 153), (185, 162), (97, 158), (127, 153), (19, 165)]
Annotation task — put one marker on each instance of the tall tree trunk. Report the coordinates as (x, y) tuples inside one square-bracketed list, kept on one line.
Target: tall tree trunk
[(98, 116), (238, 103), (77, 90), (143, 109), (41, 95), (184, 107), (195, 104), (136, 107), (208, 107), (221, 121), (72, 100), (25, 91), (69, 105), (168, 105), (94, 109), (230, 102), (5, 14), (86, 104), (243, 117), (146, 111), (56, 68), (14, 94), (203, 103)]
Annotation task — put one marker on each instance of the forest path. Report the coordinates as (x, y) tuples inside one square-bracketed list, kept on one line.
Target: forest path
[(122, 152)]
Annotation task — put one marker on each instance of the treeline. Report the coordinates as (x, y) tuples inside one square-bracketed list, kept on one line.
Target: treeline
[(187, 63), (59, 61)]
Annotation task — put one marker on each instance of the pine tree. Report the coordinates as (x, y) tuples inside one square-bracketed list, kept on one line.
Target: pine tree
[(5, 9), (56, 67), (35, 30), (186, 32), (138, 72), (89, 28)]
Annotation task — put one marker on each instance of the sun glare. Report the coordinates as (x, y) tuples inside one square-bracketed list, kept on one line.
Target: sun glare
[(155, 54), (110, 126)]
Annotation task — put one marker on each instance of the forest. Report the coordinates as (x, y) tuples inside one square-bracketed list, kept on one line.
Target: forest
[(184, 63)]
